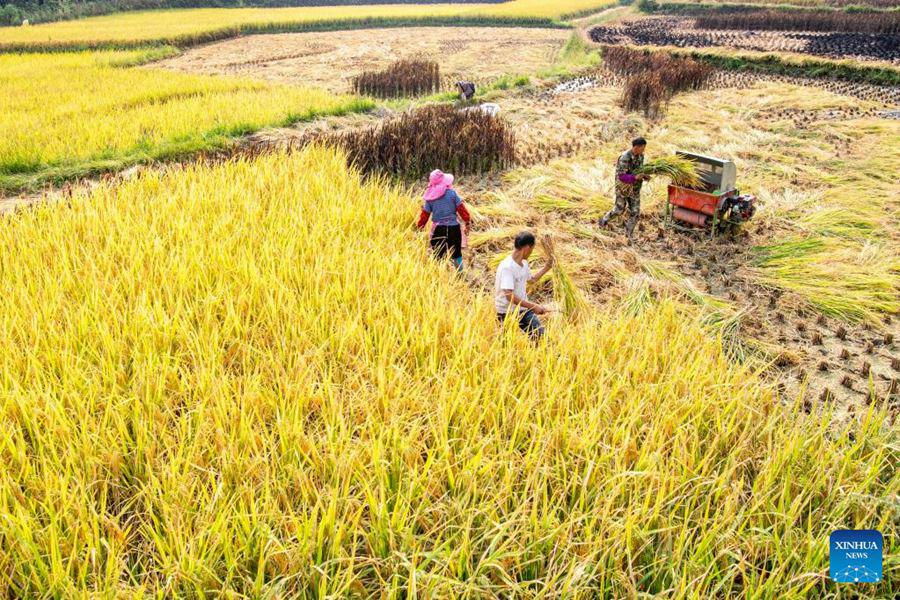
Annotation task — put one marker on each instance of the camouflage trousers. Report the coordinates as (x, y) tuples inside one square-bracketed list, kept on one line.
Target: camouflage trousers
[(632, 203)]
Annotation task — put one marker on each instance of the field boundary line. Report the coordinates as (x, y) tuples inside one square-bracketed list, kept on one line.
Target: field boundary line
[(815, 68)]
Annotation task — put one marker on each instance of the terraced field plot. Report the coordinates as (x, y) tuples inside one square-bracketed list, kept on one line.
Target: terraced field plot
[(680, 32), (330, 59), (185, 27), (818, 245), (68, 115), (794, 3)]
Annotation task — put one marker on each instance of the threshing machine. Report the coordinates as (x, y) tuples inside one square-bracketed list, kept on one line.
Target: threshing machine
[(716, 204)]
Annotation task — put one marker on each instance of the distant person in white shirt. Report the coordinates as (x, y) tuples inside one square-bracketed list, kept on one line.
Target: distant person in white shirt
[(510, 294)]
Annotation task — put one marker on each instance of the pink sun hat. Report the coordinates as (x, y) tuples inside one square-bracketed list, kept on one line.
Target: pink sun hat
[(438, 184)]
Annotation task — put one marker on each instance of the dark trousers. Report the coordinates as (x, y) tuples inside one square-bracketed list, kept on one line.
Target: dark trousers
[(447, 240), (528, 322)]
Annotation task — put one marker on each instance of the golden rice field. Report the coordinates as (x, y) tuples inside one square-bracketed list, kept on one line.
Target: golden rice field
[(186, 26), (250, 380), (74, 114)]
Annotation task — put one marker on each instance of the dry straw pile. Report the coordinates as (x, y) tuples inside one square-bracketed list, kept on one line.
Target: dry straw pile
[(654, 77), (402, 78), (438, 136), (883, 23)]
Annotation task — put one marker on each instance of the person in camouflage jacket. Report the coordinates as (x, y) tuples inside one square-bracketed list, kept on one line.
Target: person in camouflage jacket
[(628, 185)]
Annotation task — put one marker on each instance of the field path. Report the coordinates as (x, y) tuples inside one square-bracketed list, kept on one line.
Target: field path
[(583, 25)]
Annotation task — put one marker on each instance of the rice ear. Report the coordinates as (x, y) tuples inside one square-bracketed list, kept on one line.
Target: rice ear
[(548, 246)]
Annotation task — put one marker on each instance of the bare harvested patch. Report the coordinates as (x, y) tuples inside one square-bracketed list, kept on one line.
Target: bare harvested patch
[(331, 59)]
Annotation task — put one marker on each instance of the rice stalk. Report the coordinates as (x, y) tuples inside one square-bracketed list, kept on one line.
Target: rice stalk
[(190, 27), (566, 294), (57, 127), (553, 204), (492, 236)]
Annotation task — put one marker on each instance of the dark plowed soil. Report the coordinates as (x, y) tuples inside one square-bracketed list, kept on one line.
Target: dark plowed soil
[(887, 95), (680, 31)]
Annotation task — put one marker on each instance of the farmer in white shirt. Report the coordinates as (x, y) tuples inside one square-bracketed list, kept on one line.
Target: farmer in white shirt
[(510, 295)]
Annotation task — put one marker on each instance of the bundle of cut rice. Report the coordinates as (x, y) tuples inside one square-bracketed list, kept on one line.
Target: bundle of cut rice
[(681, 171), (566, 294)]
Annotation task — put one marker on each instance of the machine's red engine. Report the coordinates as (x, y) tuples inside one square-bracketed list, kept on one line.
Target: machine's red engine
[(716, 205)]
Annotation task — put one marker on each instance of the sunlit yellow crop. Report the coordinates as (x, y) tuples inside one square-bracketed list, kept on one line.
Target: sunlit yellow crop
[(175, 25), (250, 380), (63, 115)]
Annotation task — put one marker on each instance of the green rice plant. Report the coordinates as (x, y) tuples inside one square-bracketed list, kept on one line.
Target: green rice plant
[(508, 82), (847, 281), (553, 204), (574, 57)]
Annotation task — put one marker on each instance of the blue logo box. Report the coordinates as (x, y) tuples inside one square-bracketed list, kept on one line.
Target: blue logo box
[(856, 556)]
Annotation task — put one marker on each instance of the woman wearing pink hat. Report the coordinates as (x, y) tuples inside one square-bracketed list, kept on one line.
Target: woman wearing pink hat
[(442, 205)]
